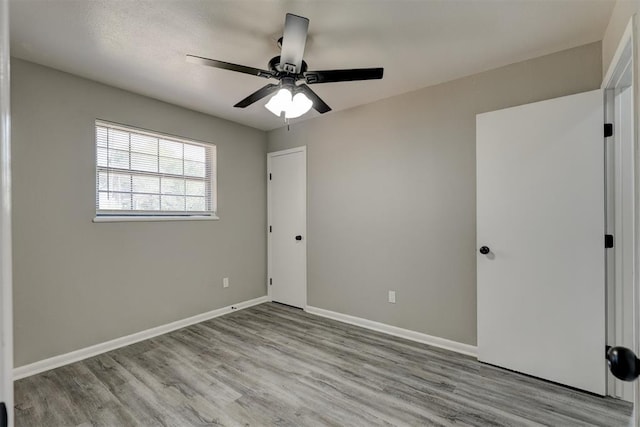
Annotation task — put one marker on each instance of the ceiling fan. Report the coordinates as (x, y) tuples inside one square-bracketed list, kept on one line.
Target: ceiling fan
[(291, 99)]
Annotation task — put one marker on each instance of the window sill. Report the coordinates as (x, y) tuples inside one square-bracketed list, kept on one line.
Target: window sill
[(153, 218)]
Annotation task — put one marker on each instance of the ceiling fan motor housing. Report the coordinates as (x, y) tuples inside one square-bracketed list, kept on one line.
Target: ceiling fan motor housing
[(275, 66)]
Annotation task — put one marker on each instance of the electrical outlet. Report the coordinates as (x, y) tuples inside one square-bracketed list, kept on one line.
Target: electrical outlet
[(392, 297), (225, 282)]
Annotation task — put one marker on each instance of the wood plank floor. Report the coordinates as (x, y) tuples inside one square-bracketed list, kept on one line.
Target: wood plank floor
[(275, 365)]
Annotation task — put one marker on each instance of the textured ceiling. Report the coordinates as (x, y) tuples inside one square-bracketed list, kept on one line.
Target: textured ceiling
[(141, 45)]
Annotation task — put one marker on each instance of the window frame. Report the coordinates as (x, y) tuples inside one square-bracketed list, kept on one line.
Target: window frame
[(114, 215)]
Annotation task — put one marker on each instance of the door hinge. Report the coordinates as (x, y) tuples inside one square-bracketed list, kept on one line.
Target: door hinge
[(270, 281), (269, 177), (608, 130), (270, 229), (608, 241)]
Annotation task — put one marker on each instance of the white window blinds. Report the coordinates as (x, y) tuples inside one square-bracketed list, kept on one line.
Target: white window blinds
[(141, 173)]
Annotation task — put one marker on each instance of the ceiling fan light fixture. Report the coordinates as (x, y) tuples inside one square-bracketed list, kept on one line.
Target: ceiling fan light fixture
[(300, 104), (291, 106), (279, 102)]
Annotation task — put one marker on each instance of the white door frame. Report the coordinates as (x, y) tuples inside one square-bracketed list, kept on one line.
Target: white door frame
[(6, 301), (271, 155), (626, 53), (619, 305)]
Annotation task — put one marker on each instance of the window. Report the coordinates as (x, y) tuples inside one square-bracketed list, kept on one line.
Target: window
[(145, 174)]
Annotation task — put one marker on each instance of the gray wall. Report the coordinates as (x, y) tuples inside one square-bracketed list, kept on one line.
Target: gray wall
[(391, 193), (77, 283)]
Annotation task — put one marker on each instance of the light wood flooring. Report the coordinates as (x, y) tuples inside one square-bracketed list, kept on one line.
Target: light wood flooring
[(272, 365)]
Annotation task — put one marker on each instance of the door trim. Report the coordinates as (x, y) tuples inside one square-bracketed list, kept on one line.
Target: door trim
[(271, 155), (6, 279), (627, 53)]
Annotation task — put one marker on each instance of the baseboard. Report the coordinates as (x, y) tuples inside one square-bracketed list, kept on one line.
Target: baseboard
[(94, 350), (458, 347)]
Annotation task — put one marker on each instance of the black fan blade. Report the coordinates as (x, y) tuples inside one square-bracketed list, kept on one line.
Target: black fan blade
[(293, 41), (257, 95), (332, 76), (318, 104), (229, 66)]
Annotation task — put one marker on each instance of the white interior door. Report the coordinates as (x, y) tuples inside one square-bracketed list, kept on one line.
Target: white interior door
[(287, 199), (540, 210)]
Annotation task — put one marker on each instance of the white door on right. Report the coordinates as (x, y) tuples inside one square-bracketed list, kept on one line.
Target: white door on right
[(540, 216)]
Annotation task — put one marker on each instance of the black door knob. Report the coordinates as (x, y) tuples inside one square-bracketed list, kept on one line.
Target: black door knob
[(298, 237), (623, 363), (4, 417), (485, 250)]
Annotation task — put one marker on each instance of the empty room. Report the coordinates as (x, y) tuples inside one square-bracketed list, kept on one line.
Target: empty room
[(319, 213)]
